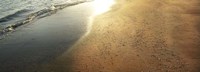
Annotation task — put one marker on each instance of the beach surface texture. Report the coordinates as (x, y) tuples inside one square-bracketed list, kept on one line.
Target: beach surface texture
[(139, 36), (133, 36)]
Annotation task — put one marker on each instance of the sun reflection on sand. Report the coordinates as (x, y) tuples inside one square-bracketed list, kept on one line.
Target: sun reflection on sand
[(101, 6)]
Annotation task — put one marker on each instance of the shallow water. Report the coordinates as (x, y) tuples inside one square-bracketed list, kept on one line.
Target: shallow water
[(15, 13), (8, 7)]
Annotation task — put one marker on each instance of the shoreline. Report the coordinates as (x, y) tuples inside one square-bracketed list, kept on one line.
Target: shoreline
[(40, 42), (134, 36), (32, 17), (140, 36)]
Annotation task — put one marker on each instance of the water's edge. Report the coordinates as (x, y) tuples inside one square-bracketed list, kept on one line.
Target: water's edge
[(34, 16)]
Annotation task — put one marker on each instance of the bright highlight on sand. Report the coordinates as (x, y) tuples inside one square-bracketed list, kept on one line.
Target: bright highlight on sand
[(101, 6)]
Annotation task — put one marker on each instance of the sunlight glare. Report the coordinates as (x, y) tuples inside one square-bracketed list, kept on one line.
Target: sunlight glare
[(101, 6)]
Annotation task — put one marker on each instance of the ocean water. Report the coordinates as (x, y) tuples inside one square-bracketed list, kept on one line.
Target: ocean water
[(14, 13)]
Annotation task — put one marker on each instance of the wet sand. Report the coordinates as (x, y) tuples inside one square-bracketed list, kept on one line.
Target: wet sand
[(138, 36), (43, 40), (135, 36)]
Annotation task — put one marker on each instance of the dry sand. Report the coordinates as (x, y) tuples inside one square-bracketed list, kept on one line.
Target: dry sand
[(139, 36)]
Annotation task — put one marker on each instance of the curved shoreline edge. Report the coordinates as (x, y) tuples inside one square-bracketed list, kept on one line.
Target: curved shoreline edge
[(34, 16)]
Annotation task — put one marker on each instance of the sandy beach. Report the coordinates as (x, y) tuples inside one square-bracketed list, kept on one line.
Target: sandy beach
[(138, 36), (134, 36)]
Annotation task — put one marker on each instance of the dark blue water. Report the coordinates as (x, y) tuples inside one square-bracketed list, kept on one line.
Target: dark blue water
[(14, 13)]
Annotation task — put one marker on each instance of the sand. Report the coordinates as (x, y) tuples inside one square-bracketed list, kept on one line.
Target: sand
[(43, 40), (138, 36), (134, 36)]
